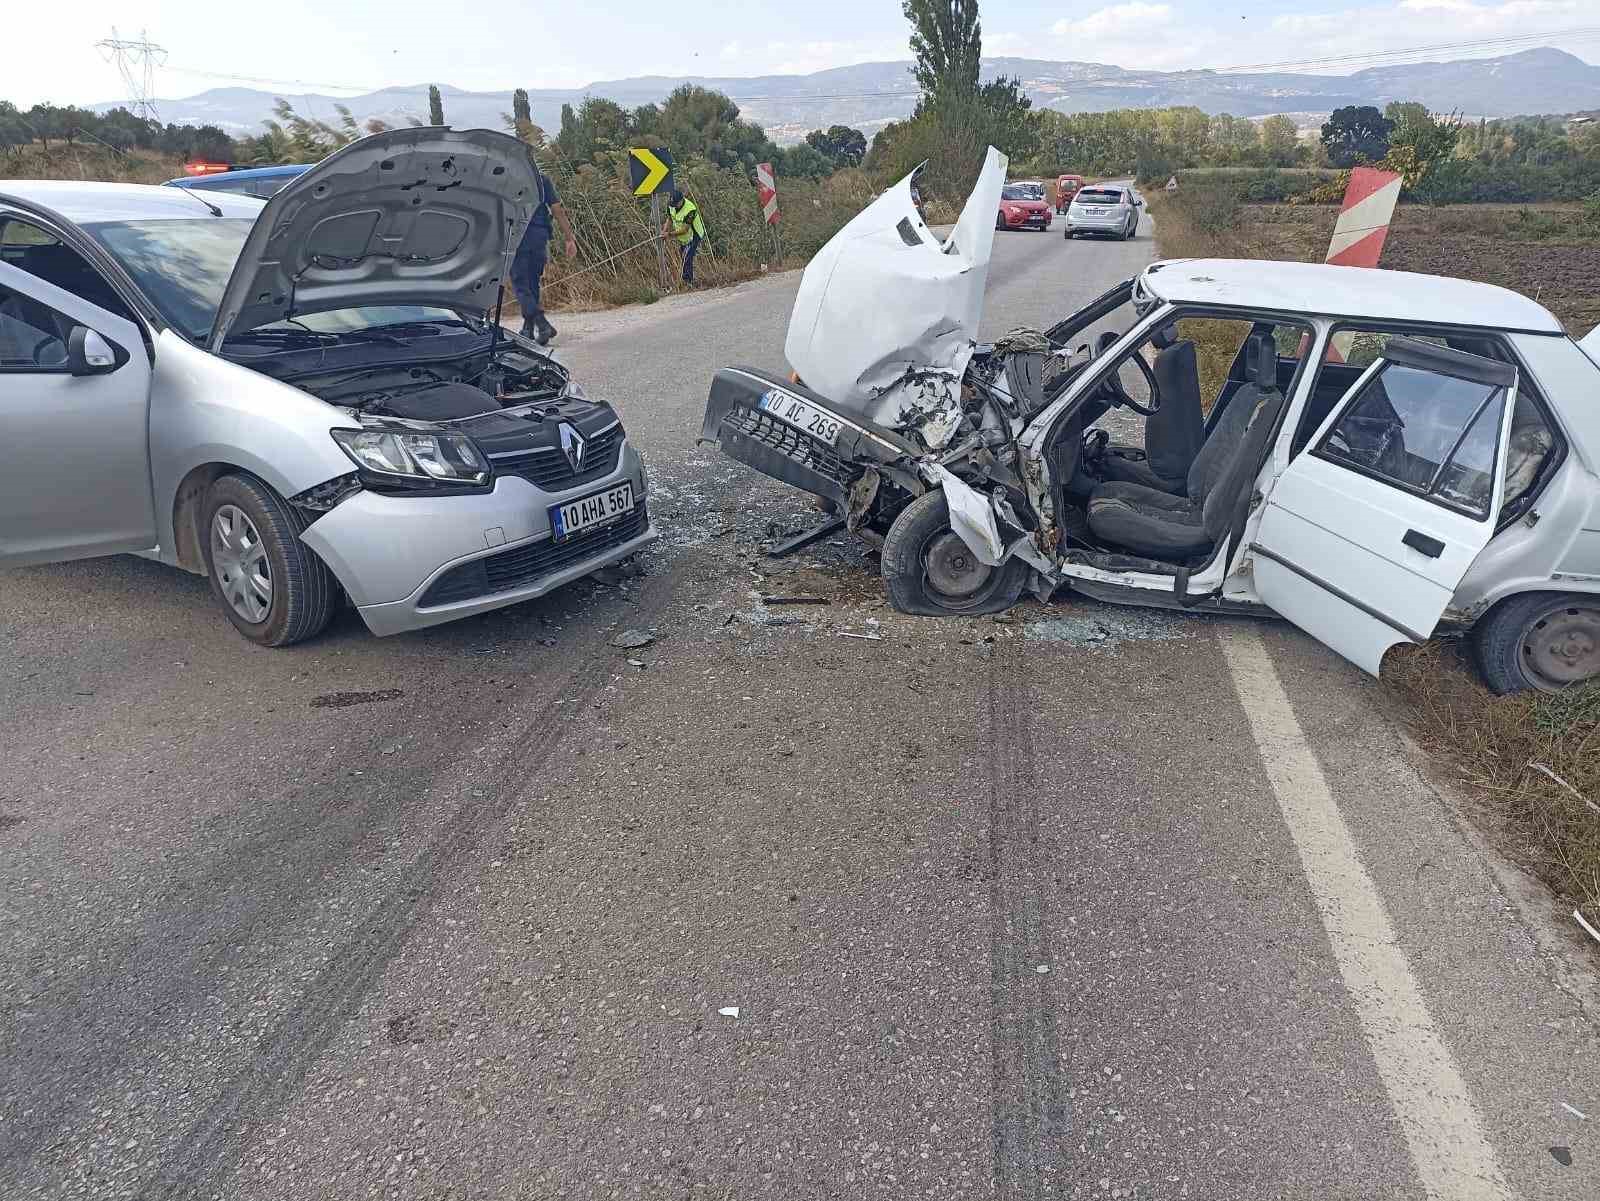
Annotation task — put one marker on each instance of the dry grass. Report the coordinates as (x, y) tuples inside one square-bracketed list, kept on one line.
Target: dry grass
[(1491, 743), (86, 160), (614, 268)]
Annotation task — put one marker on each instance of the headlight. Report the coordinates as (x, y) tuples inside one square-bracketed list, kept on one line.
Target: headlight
[(401, 457)]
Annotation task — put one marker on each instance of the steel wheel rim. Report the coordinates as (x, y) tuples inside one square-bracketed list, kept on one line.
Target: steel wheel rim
[(1562, 647), (239, 561), (951, 570)]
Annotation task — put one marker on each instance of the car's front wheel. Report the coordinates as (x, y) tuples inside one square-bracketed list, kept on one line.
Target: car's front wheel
[(272, 587), (1543, 640), (931, 571)]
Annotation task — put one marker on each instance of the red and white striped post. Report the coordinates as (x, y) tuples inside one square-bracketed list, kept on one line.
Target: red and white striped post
[(767, 191), (1364, 219)]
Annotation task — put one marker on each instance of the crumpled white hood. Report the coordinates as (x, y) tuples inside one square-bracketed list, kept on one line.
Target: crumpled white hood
[(884, 297)]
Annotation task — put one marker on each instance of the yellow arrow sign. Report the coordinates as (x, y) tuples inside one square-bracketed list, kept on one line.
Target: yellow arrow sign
[(648, 169)]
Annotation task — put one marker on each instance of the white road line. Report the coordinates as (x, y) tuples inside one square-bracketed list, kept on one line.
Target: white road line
[(1454, 1160)]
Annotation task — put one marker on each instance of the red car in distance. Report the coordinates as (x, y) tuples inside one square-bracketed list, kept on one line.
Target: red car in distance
[(1023, 206)]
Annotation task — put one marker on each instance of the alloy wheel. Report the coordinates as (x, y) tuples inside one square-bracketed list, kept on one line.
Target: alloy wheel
[(239, 559)]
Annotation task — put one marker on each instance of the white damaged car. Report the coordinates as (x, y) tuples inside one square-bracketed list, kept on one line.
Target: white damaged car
[(306, 401), (1375, 455)]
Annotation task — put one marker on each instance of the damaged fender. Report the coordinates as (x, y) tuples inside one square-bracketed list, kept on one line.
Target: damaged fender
[(973, 518)]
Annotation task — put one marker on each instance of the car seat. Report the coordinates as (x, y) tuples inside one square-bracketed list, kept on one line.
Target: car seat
[(1164, 526), (1174, 433)]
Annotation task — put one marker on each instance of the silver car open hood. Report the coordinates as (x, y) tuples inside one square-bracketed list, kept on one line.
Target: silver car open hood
[(426, 216), (886, 304)]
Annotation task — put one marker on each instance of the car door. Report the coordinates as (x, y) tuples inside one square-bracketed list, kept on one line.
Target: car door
[(1367, 533), (74, 451)]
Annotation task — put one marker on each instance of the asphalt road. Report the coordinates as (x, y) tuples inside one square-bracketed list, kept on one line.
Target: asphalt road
[(1088, 902)]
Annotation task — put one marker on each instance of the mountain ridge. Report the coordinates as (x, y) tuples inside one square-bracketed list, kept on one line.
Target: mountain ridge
[(869, 95)]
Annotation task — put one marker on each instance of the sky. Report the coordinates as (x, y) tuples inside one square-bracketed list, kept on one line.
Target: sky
[(307, 45)]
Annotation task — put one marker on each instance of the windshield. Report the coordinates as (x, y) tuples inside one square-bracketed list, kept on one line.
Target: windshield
[(1099, 195), (183, 266), (1022, 191)]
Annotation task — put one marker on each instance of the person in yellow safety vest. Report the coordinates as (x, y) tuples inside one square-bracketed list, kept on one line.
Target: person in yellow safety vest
[(685, 223)]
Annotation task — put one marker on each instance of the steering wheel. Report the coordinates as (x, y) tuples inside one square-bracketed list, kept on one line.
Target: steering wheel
[(1117, 394)]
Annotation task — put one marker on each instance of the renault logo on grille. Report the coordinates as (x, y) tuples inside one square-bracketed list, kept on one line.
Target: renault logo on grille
[(572, 445)]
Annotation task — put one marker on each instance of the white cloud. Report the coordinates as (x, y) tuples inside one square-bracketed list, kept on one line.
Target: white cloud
[(1118, 19), (732, 51)]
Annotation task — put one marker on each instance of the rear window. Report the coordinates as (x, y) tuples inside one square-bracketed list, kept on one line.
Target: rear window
[(1099, 195)]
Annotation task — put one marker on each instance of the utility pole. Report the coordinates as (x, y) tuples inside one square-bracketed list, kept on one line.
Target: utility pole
[(137, 60)]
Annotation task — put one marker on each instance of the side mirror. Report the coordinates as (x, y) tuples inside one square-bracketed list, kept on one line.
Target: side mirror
[(90, 354), (1138, 202)]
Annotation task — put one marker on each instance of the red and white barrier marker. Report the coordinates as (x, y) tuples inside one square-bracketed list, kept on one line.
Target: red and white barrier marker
[(767, 190), (1364, 220)]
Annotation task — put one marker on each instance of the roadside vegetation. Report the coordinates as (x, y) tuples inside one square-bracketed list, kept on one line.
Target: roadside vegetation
[(1531, 762)]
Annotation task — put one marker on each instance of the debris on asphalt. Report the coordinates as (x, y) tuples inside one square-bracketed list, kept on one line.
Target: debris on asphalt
[(867, 637), (794, 600), (639, 663), (630, 640), (343, 700), (1108, 629), (1563, 1155), (729, 1011), (1043, 969), (1577, 1113)]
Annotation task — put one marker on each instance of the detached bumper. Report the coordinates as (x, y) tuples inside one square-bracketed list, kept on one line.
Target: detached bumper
[(411, 562), (756, 438)]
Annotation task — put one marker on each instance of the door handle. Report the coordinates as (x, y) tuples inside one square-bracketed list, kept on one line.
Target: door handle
[(1431, 547)]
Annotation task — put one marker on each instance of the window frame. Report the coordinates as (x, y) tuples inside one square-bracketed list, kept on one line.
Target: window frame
[(1506, 392), (62, 368)]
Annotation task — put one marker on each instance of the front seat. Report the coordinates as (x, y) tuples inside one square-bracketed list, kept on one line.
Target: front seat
[(1164, 526), (1173, 434)]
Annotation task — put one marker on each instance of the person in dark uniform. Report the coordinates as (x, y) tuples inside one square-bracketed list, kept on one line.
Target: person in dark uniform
[(527, 266)]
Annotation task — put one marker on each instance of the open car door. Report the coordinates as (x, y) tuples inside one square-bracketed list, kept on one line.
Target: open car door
[(1370, 529)]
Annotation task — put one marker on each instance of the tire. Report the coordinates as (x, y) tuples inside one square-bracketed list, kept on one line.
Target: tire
[(1067, 233), (251, 541), (1541, 640), (923, 528)]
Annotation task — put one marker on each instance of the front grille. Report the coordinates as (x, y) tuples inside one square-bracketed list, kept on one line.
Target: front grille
[(513, 569), (547, 468), (791, 443)]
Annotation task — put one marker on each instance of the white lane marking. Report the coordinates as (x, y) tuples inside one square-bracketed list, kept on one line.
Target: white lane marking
[(1454, 1160)]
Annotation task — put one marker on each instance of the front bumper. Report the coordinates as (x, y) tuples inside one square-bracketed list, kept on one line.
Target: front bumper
[(410, 562), (1027, 220), (751, 436)]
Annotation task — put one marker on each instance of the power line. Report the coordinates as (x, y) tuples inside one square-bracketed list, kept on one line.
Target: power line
[(1369, 58), (136, 59)]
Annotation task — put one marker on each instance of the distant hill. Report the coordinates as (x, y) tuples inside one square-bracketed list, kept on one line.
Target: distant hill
[(869, 95)]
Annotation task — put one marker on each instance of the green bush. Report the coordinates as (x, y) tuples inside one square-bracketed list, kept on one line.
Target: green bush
[(1256, 185)]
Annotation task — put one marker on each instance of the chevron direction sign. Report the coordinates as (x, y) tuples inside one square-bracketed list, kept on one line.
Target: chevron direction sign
[(650, 171)]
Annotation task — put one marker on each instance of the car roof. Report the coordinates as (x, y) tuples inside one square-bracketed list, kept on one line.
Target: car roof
[(85, 203), (282, 171), (1367, 293)]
